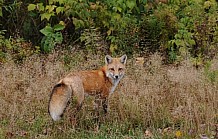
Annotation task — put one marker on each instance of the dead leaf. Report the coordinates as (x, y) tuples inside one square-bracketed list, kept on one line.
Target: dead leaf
[(148, 133), (203, 136), (9, 134)]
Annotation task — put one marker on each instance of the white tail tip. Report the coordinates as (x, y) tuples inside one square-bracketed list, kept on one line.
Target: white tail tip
[(55, 117)]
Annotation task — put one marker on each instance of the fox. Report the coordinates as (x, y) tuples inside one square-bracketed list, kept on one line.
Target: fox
[(99, 83)]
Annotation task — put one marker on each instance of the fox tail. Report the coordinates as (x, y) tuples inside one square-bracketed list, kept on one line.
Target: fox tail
[(59, 98)]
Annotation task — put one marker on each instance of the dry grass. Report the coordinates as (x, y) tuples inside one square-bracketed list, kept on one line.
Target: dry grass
[(154, 101)]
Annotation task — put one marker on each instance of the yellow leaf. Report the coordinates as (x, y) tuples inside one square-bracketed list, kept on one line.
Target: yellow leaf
[(31, 7), (178, 134), (59, 10), (113, 47), (119, 9), (117, 16), (40, 7), (50, 8), (46, 16), (62, 23), (110, 31)]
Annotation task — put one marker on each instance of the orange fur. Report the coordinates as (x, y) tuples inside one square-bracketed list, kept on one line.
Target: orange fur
[(100, 83)]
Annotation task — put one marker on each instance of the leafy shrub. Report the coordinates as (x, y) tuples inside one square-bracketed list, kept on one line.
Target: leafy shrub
[(211, 74), (111, 16), (178, 30), (2, 42), (92, 39), (151, 34), (196, 35), (52, 36), (16, 49)]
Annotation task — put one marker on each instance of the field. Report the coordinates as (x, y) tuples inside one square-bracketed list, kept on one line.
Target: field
[(152, 101)]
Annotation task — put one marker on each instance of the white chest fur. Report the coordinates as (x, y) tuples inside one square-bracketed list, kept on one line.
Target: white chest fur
[(115, 83)]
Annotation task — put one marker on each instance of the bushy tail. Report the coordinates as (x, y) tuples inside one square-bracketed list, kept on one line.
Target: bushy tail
[(59, 98)]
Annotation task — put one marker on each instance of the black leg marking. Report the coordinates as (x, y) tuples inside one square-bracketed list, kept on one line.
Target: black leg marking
[(105, 105)]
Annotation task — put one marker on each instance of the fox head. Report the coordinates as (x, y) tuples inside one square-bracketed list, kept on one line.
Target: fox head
[(115, 67)]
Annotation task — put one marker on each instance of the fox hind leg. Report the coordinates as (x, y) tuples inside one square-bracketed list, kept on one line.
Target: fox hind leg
[(78, 94)]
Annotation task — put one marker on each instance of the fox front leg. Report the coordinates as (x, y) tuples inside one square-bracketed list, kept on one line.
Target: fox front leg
[(96, 105), (105, 105)]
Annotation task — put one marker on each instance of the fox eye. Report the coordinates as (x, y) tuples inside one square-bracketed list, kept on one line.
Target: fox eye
[(111, 69), (120, 69)]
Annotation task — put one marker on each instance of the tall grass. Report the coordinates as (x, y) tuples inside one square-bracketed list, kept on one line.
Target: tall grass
[(153, 100)]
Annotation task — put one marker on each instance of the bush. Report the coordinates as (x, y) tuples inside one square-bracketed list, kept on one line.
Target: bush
[(196, 34), (176, 29)]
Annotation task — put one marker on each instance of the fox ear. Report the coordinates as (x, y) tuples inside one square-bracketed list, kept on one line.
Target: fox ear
[(123, 59), (108, 59)]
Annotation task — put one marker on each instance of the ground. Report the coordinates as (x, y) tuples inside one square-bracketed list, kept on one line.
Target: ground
[(152, 101)]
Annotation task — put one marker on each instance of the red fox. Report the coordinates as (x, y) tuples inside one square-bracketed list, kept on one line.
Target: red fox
[(99, 83)]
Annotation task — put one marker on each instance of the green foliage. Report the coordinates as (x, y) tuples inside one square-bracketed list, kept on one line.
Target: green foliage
[(52, 36), (49, 12), (150, 32), (2, 43), (1, 3), (183, 41), (120, 21), (181, 30), (15, 49), (46, 12), (212, 75), (91, 38), (178, 30), (111, 16), (196, 35), (11, 12)]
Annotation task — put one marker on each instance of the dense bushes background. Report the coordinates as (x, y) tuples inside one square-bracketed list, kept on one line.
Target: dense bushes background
[(179, 29)]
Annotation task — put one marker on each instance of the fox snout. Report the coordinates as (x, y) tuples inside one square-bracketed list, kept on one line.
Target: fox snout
[(116, 76)]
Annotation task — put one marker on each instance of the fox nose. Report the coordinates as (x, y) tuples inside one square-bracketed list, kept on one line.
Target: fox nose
[(116, 76)]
